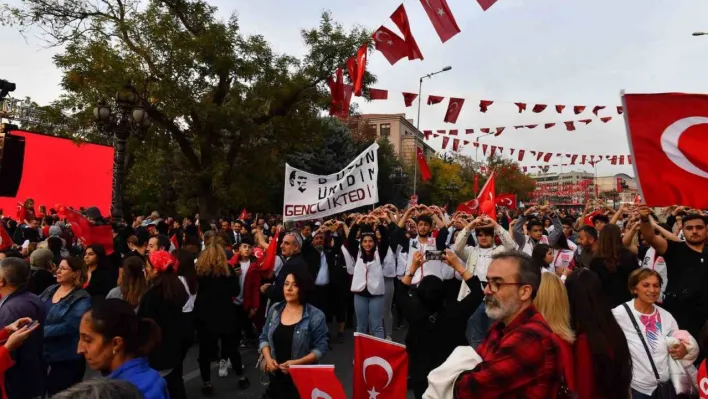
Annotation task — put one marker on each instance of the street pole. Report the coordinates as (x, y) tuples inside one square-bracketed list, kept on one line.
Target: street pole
[(476, 152), (417, 126)]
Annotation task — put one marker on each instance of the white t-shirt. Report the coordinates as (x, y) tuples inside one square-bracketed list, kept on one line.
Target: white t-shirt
[(661, 324), (189, 306), (245, 264)]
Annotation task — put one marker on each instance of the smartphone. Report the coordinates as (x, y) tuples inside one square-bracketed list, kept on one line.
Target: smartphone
[(433, 255), (32, 324)]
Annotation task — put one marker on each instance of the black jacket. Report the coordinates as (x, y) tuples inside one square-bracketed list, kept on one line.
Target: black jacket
[(214, 308), (168, 315), (102, 281), (40, 280), (295, 262)]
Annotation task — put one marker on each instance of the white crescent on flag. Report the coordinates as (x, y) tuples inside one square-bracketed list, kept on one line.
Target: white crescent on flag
[(670, 139), (506, 201), (381, 362), (320, 394)]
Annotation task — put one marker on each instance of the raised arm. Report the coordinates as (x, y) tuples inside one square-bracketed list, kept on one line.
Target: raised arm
[(657, 242)]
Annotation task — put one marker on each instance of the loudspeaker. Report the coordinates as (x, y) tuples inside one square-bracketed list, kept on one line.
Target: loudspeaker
[(12, 159)]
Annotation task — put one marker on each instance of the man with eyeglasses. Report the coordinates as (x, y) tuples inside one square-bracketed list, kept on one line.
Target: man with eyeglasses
[(520, 358), (291, 250)]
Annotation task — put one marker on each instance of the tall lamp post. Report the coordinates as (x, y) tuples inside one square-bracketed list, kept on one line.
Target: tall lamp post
[(417, 124), (128, 117), (699, 33)]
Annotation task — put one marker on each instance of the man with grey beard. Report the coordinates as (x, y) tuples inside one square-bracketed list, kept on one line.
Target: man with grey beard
[(520, 355)]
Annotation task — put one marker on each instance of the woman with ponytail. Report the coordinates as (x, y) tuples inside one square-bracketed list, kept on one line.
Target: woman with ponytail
[(115, 341), (163, 302)]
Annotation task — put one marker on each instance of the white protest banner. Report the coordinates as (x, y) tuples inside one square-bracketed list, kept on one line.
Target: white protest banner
[(309, 196)]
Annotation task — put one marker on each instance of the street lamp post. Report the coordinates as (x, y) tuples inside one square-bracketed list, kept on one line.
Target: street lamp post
[(476, 151), (699, 33), (128, 117), (417, 124)]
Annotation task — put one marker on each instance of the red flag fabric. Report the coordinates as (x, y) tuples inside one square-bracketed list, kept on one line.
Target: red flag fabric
[(452, 132), (531, 126), (539, 108), (573, 158), (492, 150), (425, 174), (380, 368), (174, 241), (522, 107), (444, 142), (499, 131), (390, 45), (400, 18), (619, 110), (485, 4), (578, 109), (484, 130), (637, 199), (484, 105), (597, 109), (453, 109), (441, 17), (408, 98), (357, 68), (547, 157), (86, 232), (606, 119), (243, 215), (484, 149), (435, 99), (317, 382), (378, 94), (341, 95), (476, 184), (507, 200), (487, 198), (455, 144), (549, 125), (667, 135), (427, 133), (469, 131), (469, 207), (521, 155), (569, 125), (271, 253), (5, 239), (560, 108), (585, 121)]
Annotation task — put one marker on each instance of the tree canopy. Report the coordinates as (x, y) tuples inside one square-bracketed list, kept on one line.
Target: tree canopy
[(225, 108)]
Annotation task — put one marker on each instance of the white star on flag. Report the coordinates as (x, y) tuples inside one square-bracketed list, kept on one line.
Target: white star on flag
[(441, 12), (372, 393)]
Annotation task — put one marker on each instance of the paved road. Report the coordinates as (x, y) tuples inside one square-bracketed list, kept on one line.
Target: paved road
[(340, 355)]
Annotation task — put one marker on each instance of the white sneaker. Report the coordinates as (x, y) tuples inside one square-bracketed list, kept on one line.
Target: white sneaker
[(223, 371), (388, 338)]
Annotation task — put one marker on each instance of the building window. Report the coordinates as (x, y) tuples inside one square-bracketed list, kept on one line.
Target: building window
[(385, 129)]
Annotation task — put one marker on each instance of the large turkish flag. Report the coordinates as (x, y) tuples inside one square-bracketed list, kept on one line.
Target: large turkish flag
[(668, 137), (380, 368), (317, 382)]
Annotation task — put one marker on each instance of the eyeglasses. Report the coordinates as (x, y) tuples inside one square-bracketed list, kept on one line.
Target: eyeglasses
[(495, 285)]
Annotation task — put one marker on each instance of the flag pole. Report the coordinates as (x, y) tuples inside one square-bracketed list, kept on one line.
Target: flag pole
[(631, 147)]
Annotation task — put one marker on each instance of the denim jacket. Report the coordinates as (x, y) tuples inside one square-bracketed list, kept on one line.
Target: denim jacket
[(310, 336), (61, 328)]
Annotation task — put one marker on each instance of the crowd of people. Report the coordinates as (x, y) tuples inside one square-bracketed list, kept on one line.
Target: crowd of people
[(596, 303)]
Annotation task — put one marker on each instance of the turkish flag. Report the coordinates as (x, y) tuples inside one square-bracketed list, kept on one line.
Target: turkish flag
[(487, 198), (453, 109), (560, 108), (378, 94), (400, 18), (434, 100), (667, 134), (455, 144), (441, 17), (539, 108), (390, 45), (86, 232), (425, 174), (271, 253), (5, 239), (174, 241), (522, 107), (380, 368), (484, 105), (469, 207), (578, 109), (357, 68), (408, 98), (485, 4), (317, 382), (507, 200), (244, 215), (597, 109), (444, 142), (569, 125)]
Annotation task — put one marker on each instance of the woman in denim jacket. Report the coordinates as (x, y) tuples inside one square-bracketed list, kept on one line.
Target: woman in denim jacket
[(65, 303), (295, 333)]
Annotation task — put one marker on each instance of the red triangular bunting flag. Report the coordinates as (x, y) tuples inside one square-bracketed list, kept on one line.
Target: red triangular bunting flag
[(531, 126), (435, 135), (400, 18), (560, 108), (522, 107), (629, 159), (427, 133), (578, 109), (378, 94), (484, 130), (585, 121), (484, 105), (573, 158), (539, 108), (619, 110), (569, 125), (521, 155), (475, 144), (538, 155), (441, 17), (621, 160), (492, 150), (519, 127), (499, 131), (453, 109), (469, 131), (408, 98), (597, 109), (547, 157), (606, 119), (484, 149), (452, 132), (442, 131), (511, 151), (445, 141), (465, 142), (455, 144), (549, 125), (485, 4)]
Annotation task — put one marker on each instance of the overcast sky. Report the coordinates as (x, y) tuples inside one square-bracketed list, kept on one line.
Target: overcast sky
[(578, 52)]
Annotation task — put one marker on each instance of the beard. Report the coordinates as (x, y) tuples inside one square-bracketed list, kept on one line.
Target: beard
[(497, 310)]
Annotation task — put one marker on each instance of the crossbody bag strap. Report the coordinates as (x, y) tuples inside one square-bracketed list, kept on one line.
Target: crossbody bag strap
[(641, 337)]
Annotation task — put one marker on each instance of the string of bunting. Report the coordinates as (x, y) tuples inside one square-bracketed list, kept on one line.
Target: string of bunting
[(497, 131), (393, 47)]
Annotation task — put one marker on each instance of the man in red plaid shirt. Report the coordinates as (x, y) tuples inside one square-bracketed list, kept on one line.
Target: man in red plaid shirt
[(520, 357)]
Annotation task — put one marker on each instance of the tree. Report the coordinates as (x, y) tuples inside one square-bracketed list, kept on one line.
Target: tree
[(225, 108)]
